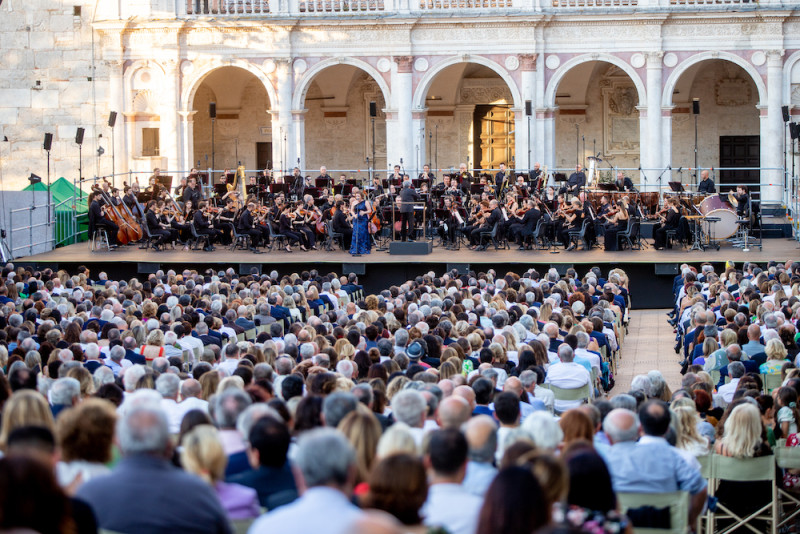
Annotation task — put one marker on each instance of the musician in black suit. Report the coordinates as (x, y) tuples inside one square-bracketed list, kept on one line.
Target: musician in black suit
[(575, 182), (500, 179), (668, 222), (192, 193), (624, 183), (524, 227), (341, 225), (246, 225), (447, 230), (203, 226), (298, 183), (742, 201), (97, 219), (534, 178), (706, 185), (426, 174), (406, 199), (495, 217), (154, 226), (325, 177)]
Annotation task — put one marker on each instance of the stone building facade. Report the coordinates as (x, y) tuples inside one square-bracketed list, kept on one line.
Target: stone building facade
[(449, 81)]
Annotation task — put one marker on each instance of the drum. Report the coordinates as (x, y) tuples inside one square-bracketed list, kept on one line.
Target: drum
[(716, 206)]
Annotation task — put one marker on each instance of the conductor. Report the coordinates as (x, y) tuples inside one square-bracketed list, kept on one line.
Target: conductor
[(406, 199)]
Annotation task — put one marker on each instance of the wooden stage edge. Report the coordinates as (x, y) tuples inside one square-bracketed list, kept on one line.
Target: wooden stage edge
[(777, 249)]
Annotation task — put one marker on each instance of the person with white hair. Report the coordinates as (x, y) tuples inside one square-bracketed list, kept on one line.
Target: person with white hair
[(168, 386), (116, 359), (347, 369), (543, 430), (143, 438), (567, 375), (410, 407), (641, 383), (64, 393)]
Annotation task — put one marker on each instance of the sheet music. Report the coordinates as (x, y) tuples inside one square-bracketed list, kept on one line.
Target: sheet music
[(505, 215), (458, 218)]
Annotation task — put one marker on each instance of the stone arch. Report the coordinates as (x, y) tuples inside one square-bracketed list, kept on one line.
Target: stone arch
[(425, 84), (675, 75), (299, 97), (195, 80), (788, 66), (552, 87)]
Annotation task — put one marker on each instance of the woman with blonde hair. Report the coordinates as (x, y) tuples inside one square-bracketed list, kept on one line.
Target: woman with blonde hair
[(776, 357), (202, 454), (82, 375), (25, 408), (363, 431), (154, 346), (686, 422), (448, 369)]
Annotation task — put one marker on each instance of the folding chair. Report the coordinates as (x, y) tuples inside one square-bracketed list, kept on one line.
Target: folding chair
[(251, 334), (492, 235), (715, 376), (676, 501), (771, 381), (787, 458), (576, 236), (240, 337), (583, 393), (742, 470)]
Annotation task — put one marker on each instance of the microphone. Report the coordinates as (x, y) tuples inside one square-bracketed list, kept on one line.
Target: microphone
[(640, 167), (680, 169), (401, 161)]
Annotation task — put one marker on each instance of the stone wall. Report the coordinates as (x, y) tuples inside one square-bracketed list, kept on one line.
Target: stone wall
[(48, 84)]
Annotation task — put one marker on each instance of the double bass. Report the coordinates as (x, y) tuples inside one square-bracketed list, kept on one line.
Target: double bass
[(126, 232)]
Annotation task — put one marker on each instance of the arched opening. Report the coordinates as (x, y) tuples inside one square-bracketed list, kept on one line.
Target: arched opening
[(469, 118), (597, 115), (727, 126), (338, 100), (243, 126)]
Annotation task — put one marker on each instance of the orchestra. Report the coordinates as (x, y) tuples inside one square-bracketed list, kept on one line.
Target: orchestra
[(457, 208)]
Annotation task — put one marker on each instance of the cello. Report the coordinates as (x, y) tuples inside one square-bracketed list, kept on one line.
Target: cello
[(125, 233), (134, 223)]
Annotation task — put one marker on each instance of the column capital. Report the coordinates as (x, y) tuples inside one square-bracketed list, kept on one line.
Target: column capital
[(775, 57), (115, 63), (299, 114), (654, 58), (404, 64), (527, 62), (187, 114), (170, 65)]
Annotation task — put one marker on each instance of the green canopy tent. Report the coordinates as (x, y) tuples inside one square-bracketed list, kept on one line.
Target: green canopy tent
[(70, 210)]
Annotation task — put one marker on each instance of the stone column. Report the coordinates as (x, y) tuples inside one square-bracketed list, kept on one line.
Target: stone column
[(772, 131), (546, 120), (666, 141), (116, 101), (420, 140), (402, 139), (655, 162), (525, 128), (285, 145), (645, 149), (299, 128), (186, 136), (169, 115)]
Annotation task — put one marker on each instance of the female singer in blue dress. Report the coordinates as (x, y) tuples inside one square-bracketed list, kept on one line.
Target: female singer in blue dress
[(361, 210)]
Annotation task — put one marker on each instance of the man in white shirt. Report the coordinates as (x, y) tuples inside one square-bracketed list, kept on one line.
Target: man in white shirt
[(409, 407), (190, 393), (567, 375), (329, 478), (581, 350), (231, 359), (449, 505), (481, 434), (529, 379), (736, 372), (168, 386)]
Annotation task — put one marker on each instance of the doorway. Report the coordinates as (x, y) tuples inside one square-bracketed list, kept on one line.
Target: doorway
[(739, 151), (493, 136), (263, 156)]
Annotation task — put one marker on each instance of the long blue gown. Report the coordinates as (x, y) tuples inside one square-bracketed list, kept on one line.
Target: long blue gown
[(361, 243)]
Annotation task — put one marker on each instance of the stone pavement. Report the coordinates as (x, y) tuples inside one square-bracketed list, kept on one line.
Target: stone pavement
[(648, 345)]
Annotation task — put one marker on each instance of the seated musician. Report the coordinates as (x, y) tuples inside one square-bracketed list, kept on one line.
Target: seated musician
[(575, 182), (476, 216), (706, 185), (192, 192), (341, 224), (500, 179), (423, 188), (535, 178), (396, 176), (324, 177), (523, 226), (165, 217), (265, 178), (153, 185), (286, 228), (247, 225), (327, 204), (488, 223), (449, 225), (130, 200), (550, 198), (464, 177), (426, 174), (178, 191), (742, 201), (521, 186), (667, 221), (154, 226), (204, 227), (298, 183), (617, 222), (225, 221), (509, 209), (573, 219), (377, 186), (98, 219), (447, 187), (624, 183), (312, 215)]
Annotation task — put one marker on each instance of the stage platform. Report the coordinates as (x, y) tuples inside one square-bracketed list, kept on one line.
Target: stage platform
[(651, 270)]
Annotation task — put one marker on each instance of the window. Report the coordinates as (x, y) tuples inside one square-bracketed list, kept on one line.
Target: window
[(150, 142)]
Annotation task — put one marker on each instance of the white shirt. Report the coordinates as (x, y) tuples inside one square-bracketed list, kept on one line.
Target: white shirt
[(229, 366), (479, 477), (192, 403), (452, 507), (546, 396), (174, 415), (726, 391), (567, 375), (593, 358), (320, 509)]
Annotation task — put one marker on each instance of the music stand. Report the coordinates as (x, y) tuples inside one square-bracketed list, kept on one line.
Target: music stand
[(165, 181), (676, 187)]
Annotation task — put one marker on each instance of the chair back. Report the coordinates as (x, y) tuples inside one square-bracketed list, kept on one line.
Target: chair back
[(786, 457), (742, 469), (570, 394), (771, 381), (676, 501)]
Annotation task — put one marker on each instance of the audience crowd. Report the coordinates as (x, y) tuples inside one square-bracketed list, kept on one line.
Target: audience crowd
[(219, 402)]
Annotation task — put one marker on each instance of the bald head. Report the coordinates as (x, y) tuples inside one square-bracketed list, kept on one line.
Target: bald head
[(191, 388), (481, 434), (753, 332), (466, 393), (453, 412), (621, 425), (447, 386), (513, 385)]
